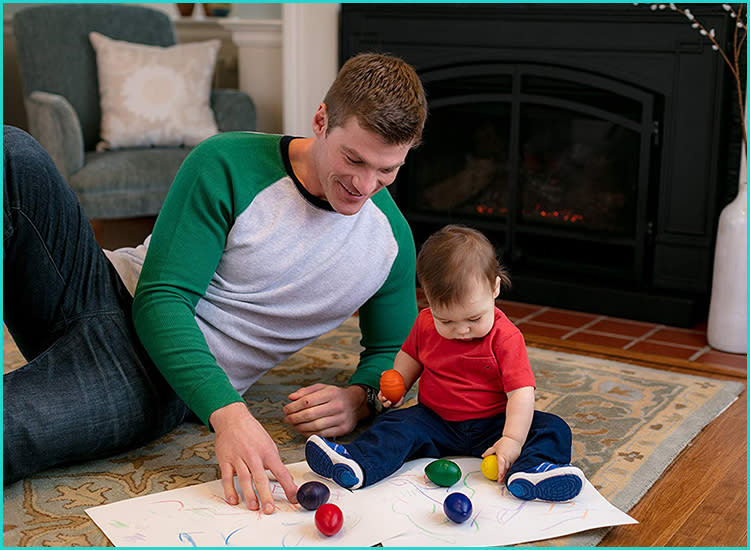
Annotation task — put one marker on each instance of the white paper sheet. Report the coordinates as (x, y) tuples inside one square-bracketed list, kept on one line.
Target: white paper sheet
[(497, 518), (403, 510), (199, 516)]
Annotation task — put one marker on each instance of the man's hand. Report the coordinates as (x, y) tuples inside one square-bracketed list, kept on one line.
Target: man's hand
[(244, 448), (326, 410)]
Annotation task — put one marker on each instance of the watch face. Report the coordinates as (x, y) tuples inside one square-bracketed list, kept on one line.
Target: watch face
[(373, 401), (370, 395)]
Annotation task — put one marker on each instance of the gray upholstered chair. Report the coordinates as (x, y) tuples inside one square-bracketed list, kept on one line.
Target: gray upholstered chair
[(61, 93)]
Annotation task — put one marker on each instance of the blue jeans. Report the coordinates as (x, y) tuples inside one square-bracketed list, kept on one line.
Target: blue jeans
[(417, 432), (89, 389)]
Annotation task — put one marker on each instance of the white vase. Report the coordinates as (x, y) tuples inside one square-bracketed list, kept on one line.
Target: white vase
[(727, 314)]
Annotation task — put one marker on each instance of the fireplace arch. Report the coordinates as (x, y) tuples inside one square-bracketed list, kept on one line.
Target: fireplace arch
[(533, 153)]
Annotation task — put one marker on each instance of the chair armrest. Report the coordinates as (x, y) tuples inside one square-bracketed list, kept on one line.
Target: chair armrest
[(55, 125), (233, 109)]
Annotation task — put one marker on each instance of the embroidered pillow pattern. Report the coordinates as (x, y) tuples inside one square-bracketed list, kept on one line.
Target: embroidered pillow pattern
[(154, 96)]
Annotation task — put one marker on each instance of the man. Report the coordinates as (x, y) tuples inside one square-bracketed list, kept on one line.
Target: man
[(263, 244)]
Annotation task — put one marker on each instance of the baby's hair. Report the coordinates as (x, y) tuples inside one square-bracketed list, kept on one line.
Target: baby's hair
[(453, 258)]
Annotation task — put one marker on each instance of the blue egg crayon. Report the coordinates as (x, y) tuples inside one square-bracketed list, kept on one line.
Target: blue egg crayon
[(457, 507), (312, 495)]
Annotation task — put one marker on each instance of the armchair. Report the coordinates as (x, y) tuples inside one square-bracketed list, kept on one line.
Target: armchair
[(59, 77)]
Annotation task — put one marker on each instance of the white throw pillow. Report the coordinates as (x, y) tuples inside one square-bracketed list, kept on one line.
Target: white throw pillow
[(152, 95)]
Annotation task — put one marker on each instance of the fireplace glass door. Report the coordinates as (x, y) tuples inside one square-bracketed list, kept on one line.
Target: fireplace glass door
[(552, 163)]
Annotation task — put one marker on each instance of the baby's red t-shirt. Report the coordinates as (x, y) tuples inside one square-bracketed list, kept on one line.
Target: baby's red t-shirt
[(461, 380)]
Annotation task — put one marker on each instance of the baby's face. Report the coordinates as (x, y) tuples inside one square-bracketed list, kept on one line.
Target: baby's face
[(471, 317)]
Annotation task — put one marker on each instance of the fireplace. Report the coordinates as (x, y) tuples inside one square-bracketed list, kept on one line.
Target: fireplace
[(591, 143), (553, 163)]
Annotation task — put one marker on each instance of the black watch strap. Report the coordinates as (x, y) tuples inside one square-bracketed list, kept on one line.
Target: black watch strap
[(373, 403)]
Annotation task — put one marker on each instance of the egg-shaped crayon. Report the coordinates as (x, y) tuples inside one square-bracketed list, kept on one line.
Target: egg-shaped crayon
[(312, 495), (457, 507), (392, 385), (489, 467), (443, 472), (328, 519)]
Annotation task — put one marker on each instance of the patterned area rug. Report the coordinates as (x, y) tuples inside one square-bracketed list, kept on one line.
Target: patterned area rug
[(628, 424)]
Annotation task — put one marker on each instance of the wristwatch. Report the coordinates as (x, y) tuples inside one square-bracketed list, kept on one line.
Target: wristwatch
[(373, 403)]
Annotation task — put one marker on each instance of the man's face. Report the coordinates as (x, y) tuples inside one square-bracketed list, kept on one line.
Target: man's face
[(353, 164)]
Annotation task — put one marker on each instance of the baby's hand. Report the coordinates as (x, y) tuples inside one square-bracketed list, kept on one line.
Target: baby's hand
[(507, 451), (387, 403)]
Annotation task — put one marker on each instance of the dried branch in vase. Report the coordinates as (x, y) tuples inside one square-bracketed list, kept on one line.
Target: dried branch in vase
[(739, 15)]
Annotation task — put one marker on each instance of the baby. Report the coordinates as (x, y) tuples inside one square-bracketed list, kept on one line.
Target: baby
[(476, 388)]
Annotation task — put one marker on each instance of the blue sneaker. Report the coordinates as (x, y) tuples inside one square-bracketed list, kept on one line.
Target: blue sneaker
[(333, 461), (551, 482)]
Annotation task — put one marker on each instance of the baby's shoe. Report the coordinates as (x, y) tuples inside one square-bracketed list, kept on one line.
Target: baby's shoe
[(333, 461), (551, 482)]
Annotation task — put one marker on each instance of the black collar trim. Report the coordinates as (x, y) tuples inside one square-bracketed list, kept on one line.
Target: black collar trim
[(312, 199)]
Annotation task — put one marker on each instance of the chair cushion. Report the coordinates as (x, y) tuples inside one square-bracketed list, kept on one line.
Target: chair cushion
[(126, 183), (152, 95)]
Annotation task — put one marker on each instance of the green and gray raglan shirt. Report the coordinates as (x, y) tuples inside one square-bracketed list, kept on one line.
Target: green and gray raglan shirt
[(245, 267)]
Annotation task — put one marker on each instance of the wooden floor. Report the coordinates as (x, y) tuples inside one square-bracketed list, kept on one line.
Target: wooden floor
[(701, 499)]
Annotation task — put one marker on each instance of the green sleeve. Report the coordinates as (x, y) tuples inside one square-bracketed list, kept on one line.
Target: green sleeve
[(386, 319), (186, 245)]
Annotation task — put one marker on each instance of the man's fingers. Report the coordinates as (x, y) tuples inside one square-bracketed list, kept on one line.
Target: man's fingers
[(299, 404), (308, 415), (227, 482), (305, 390), (256, 488), (303, 398), (323, 423), (317, 408), (317, 426), (246, 484), (263, 486), (285, 479)]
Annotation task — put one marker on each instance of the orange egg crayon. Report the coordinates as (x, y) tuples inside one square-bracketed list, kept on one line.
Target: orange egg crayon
[(392, 385)]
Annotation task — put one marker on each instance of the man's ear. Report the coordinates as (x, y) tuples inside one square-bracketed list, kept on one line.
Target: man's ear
[(320, 121)]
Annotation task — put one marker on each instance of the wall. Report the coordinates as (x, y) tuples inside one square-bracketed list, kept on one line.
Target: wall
[(241, 10), (311, 38)]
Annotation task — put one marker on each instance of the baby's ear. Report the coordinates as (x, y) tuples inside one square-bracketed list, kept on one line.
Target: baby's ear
[(498, 284)]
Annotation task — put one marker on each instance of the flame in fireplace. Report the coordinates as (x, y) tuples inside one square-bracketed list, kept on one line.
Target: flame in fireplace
[(489, 210), (565, 215)]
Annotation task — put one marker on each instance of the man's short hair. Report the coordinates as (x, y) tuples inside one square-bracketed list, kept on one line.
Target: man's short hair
[(384, 93)]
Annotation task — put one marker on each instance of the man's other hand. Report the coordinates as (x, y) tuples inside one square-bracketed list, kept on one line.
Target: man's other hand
[(326, 410)]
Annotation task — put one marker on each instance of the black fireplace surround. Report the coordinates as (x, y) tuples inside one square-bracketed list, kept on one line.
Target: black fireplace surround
[(595, 144)]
